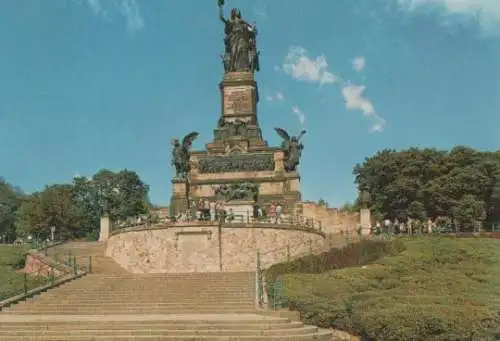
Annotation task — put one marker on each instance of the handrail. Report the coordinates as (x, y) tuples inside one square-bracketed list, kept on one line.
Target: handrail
[(68, 272), (30, 293), (239, 221)]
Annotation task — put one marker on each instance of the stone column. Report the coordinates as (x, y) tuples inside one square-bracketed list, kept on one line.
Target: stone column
[(292, 192), (105, 229), (239, 96), (178, 201), (365, 220)]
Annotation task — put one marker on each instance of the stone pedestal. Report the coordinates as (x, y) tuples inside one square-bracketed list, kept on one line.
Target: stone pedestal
[(365, 220), (242, 210), (179, 200), (238, 153), (105, 229)]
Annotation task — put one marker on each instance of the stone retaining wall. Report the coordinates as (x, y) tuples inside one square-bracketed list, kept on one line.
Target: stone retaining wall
[(208, 248)]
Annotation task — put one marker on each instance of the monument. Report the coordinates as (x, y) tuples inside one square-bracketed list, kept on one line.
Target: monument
[(237, 166)]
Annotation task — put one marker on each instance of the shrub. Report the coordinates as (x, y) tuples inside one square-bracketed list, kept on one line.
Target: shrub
[(432, 288), (355, 254)]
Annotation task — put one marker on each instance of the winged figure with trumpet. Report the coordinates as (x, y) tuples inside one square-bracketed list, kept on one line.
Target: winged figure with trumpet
[(292, 148), (180, 154)]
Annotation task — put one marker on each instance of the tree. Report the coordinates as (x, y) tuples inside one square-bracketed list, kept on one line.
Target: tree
[(416, 210), (120, 195), (322, 202), (75, 209), (469, 213), (430, 182), (10, 199), (349, 207), (53, 207)]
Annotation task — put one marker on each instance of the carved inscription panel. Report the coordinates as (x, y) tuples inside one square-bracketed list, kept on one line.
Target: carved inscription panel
[(238, 99), (236, 163)]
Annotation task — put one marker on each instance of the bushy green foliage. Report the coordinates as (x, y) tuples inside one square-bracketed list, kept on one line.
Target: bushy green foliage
[(75, 209), (10, 199), (352, 254), (434, 288), (428, 183), (12, 256), (12, 281)]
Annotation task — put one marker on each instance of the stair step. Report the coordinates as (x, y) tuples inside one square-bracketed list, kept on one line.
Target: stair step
[(161, 332), (151, 325), (318, 336), (135, 303)]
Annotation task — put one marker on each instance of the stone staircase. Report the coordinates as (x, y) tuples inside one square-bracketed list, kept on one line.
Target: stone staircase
[(151, 294), (122, 306), (84, 252)]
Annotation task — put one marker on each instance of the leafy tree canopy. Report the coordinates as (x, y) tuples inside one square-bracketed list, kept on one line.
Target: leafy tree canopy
[(10, 200), (430, 183), (74, 209)]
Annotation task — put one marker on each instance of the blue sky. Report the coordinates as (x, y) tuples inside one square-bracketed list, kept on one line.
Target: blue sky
[(90, 84)]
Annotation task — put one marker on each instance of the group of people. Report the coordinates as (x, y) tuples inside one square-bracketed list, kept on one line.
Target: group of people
[(213, 210), (409, 227)]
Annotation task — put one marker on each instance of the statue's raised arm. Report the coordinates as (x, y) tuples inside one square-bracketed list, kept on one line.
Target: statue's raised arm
[(220, 3)]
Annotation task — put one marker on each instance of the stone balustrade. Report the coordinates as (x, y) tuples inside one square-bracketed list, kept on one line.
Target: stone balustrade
[(237, 221)]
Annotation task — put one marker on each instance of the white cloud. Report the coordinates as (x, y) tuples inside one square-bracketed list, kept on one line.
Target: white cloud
[(354, 100), (359, 63), (486, 12), (300, 115), (298, 65), (353, 96), (278, 96), (377, 128), (128, 8)]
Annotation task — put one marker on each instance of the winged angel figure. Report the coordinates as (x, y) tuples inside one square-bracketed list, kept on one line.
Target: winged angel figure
[(180, 154), (292, 148)]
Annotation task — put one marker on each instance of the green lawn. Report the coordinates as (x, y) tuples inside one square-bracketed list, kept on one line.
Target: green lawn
[(420, 288), (12, 259)]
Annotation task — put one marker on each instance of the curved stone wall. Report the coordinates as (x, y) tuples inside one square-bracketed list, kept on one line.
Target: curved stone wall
[(195, 247)]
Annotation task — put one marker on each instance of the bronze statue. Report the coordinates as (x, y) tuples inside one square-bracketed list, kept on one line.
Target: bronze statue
[(240, 42), (237, 191), (292, 148), (364, 197), (180, 154)]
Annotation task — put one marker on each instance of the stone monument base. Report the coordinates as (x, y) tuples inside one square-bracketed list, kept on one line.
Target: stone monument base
[(365, 220), (242, 210)]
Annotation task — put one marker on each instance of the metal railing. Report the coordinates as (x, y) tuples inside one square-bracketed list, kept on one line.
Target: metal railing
[(270, 293), (300, 222), (45, 273)]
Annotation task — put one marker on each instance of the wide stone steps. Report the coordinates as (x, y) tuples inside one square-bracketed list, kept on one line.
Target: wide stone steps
[(160, 297), (250, 327), (131, 308), (151, 291), (180, 307), (161, 332), (207, 298), (319, 336), (134, 311), (9, 328)]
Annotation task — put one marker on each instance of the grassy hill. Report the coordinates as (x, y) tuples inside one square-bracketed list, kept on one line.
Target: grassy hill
[(421, 288), (12, 260)]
